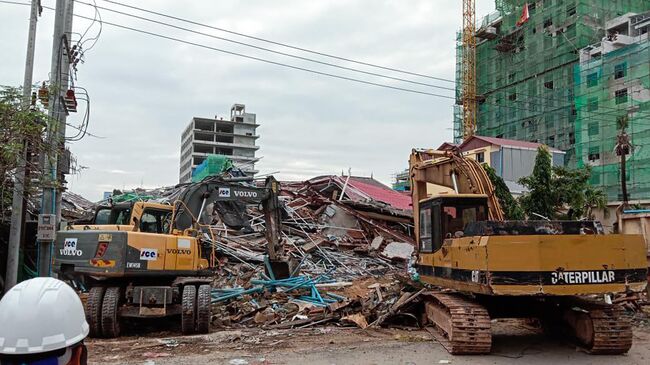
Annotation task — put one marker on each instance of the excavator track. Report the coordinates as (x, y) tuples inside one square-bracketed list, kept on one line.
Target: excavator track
[(599, 328), (462, 326)]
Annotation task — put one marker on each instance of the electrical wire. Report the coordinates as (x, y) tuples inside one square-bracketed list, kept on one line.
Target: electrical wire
[(273, 51), (98, 16), (275, 42), (268, 49), (288, 46)]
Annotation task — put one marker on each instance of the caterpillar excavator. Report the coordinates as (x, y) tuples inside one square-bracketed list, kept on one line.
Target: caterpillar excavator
[(151, 260), (493, 268)]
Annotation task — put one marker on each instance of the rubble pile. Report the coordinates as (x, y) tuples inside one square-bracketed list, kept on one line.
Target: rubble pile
[(352, 251)]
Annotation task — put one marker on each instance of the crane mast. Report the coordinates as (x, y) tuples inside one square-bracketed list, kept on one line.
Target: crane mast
[(469, 69)]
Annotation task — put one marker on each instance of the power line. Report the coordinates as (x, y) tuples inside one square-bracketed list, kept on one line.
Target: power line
[(275, 42), (265, 60), (268, 49), (294, 56), (253, 57)]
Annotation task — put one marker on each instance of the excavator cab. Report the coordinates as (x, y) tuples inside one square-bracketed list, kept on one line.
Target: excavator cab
[(445, 217)]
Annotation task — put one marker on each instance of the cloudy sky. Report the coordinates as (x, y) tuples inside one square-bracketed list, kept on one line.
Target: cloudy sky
[(144, 90)]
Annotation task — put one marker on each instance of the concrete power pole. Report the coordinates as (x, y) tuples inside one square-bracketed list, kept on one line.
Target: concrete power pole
[(59, 76), (19, 180)]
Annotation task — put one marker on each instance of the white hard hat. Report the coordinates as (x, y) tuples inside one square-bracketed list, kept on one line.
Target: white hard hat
[(40, 315)]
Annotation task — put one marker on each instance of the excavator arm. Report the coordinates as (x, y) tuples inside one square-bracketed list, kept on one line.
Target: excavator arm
[(452, 170), (195, 197)]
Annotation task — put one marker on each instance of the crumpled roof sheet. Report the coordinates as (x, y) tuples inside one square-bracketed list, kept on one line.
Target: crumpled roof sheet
[(385, 194)]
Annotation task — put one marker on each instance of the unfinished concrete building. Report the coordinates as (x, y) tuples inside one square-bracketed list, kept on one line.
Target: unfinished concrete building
[(234, 138), (529, 84)]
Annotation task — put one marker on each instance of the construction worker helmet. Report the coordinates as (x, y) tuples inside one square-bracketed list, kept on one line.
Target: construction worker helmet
[(40, 316)]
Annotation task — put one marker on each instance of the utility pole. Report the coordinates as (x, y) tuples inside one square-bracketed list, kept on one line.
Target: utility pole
[(19, 179), (59, 76), (67, 25)]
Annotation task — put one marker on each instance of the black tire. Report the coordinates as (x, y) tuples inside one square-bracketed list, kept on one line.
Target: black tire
[(94, 310), (203, 309), (110, 309), (188, 314)]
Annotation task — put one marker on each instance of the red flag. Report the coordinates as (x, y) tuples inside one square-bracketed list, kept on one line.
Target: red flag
[(524, 16)]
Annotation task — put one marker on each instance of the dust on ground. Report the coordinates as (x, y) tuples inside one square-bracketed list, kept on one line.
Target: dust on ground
[(514, 341)]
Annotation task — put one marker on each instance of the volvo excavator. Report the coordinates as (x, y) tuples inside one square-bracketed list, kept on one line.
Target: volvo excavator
[(493, 268), (150, 260)]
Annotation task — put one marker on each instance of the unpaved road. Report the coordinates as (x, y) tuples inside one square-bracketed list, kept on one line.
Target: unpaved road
[(513, 343)]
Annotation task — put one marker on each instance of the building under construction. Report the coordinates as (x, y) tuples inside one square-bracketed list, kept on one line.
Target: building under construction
[(541, 78)]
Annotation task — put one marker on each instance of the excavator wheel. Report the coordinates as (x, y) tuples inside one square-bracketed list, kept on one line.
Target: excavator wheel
[(110, 308), (188, 313), (94, 310), (203, 309), (461, 326)]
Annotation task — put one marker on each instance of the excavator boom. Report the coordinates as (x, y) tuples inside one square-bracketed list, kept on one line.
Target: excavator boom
[(451, 170)]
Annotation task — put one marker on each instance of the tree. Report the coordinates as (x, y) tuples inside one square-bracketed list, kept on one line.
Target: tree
[(19, 125), (560, 192), (510, 206), (539, 199), (594, 198)]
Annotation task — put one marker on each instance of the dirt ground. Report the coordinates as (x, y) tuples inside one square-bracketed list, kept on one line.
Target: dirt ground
[(513, 342)]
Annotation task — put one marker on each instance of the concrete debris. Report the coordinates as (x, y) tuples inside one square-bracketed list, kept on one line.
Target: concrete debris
[(376, 243), (398, 250)]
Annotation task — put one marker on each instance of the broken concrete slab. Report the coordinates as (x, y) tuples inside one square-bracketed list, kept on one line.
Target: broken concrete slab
[(376, 243), (398, 250)]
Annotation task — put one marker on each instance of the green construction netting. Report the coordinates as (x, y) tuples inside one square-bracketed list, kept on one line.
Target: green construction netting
[(615, 85), (212, 165), (529, 86)]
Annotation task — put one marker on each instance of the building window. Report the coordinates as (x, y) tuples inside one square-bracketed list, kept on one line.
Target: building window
[(571, 31), (548, 22), (480, 157), (621, 96), (592, 104), (593, 129), (512, 97), (594, 154), (620, 71), (592, 79), (571, 10), (548, 85), (572, 139)]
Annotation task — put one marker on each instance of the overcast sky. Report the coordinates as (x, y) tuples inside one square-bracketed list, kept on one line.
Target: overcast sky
[(145, 90)]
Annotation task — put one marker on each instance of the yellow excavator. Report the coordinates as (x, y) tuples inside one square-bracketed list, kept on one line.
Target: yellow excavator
[(150, 260), (549, 270)]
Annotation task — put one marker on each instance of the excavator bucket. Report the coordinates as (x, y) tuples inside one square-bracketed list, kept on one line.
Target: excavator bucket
[(282, 269)]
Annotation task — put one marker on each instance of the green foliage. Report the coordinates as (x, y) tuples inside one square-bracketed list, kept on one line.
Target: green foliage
[(539, 199), (568, 191), (510, 206), (559, 192), (19, 125), (594, 198)]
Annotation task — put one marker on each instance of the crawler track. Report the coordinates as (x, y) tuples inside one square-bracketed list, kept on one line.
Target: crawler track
[(599, 328), (462, 326)]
